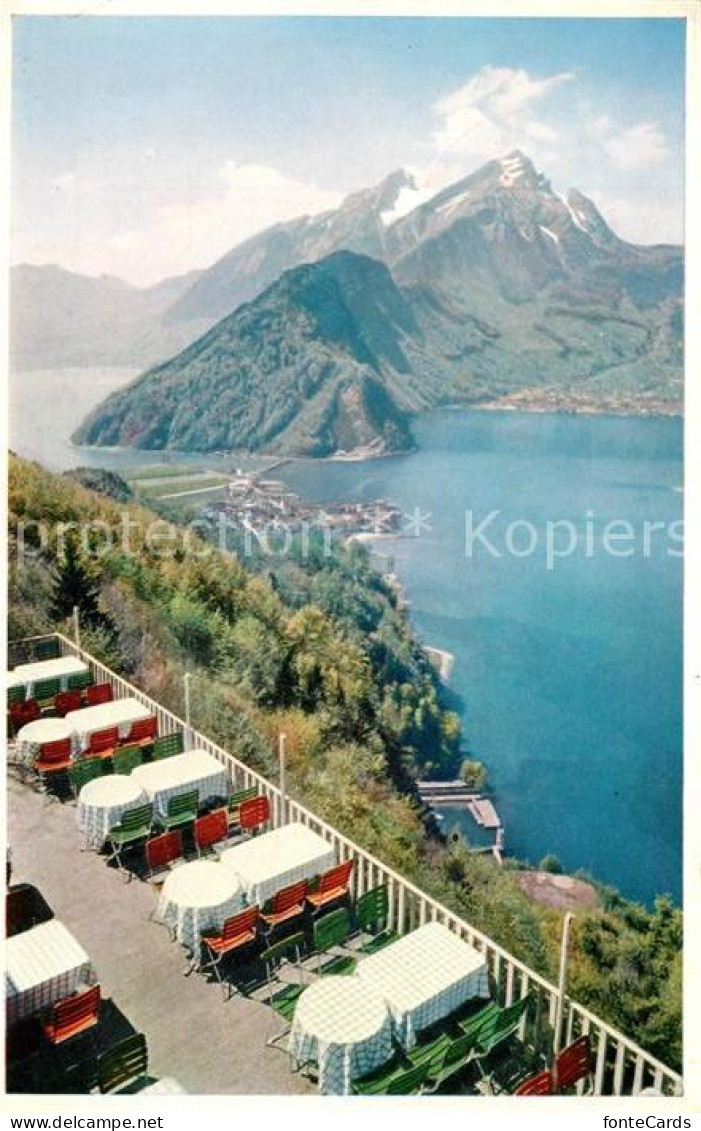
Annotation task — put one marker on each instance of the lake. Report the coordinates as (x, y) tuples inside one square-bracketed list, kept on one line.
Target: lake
[(569, 678)]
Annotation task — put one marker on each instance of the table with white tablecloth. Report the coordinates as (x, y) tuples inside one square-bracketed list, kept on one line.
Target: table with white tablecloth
[(27, 675), (266, 864), (182, 773), (118, 712), (32, 736), (424, 976), (198, 897), (102, 802), (344, 1026), (42, 966)]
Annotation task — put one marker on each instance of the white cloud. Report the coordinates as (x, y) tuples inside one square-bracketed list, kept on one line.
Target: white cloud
[(493, 112), (195, 232), (638, 146)]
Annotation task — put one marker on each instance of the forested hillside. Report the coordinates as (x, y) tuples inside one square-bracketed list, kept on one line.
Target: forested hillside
[(316, 647)]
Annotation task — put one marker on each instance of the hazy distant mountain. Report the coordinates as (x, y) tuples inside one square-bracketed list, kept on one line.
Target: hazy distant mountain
[(59, 318), (359, 224)]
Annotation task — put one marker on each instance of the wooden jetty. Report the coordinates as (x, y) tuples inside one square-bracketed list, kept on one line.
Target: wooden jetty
[(456, 795)]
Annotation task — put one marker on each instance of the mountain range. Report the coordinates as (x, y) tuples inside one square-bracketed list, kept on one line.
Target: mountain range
[(338, 328)]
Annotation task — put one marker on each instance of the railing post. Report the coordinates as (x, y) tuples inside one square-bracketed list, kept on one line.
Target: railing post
[(282, 782), (76, 625), (562, 983), (188, 734)]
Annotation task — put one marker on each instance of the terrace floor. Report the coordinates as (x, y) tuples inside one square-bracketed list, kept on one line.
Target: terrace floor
[(208, 1045)]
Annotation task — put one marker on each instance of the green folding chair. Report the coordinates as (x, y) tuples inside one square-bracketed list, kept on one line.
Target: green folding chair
[(284, 1002), (80, 681), (126, 759), (371, 916), (445, 1063), (46, 649), (393, 1079), (167, 745), (123, 1069), (16, 694), (45, 691), (332, 930), (84, 770), (181, 810), (135, 826), (492, 1027)]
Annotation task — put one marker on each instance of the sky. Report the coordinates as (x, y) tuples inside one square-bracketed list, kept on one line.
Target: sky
[(146, 147)]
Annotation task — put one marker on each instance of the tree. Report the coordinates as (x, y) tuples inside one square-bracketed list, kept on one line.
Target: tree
[(473, 774), (75, 584)]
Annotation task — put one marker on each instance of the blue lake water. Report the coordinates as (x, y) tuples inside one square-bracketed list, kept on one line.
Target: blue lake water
[(569, 678)]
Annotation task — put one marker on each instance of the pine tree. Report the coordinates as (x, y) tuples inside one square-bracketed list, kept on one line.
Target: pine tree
[(76, 584)]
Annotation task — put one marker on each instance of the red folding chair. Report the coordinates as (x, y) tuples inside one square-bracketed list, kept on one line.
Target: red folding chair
[(238, 932), (540, 1085), (23, 713), (143, 731), (73, 1015), (333, 885), (285, 905), (254, 813), (54, 759), (67, 701), (161, 851), (103, 743), (211, 829), (573, 1064), (98, 693)]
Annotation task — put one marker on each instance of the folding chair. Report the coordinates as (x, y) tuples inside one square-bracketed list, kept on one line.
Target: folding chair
[(103, 743), (181, 810), (67, 701), (284, 1002), (332, 930), (143, 732), (286, 905), (372, 916), (123, 1069), (45, 691), (133, 828), (167, 745), (573, 1064), (83, 770), (96, 693), (127, 758), (332, 886), (211, 829), (54, 760), (73, 1015), (254, 814), (238, 932)]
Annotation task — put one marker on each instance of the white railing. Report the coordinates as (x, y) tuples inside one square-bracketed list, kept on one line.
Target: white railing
[(621, 1067)]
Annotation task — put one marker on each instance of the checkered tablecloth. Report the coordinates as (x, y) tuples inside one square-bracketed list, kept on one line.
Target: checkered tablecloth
[(120, 713), (344, 1025), (43, 965), (101, 803), (267, 863), (424, 976), (31, 737), (195, 769), (198, 897), (26, 675)]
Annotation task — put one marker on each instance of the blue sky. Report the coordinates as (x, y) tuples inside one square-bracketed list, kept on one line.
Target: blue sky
[(145, 147)]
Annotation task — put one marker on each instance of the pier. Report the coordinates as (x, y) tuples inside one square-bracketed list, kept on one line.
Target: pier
[(456, 795)]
